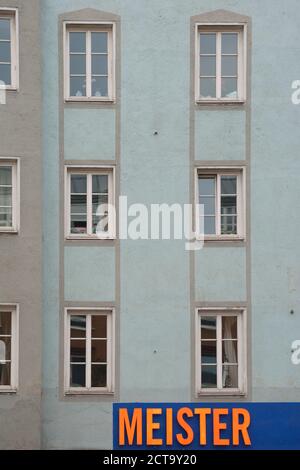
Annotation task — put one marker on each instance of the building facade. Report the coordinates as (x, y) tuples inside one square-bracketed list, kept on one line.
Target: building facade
[(161, 102)]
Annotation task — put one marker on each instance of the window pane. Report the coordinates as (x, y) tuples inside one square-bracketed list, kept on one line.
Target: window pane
[(208, 352), (229, 351), (207, 66), (228, 184), (78, 326), (77, 42), (5, 216), (230, 376), (99, 86), (78, 204), (208, 87), (99, 375), (99, 350), (4, 28), (77, 86), (100, 204), (5, 373), (4, 51), (208, 327), (209, 205), (100, 223), (77, 64), (206, 186), (5, 196), (229, 327), (78, 183), (207, 43), (5, 323), (209, 225), (77, 375), (99, 64), (5, 349), (100, 184), (78, 223), (99, 326), (208, 376), (99, 42), (229, 43), (77, 350), (228, 205), (5, 175), (228, 225), (229, 66), (5, 74), (229, 88)]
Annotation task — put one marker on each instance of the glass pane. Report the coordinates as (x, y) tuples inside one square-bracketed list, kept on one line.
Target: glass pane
[(207, 43), (77, 64), (99, 350), (228, 205), (229, 43), (5, 216), (5, 349), (78, 204), (229, 66), (207, 66), (77, 42), (99, 375), (5, 323), (209, 225), (5, 196), (78, 183), (208, 327), (77, 86), (4, 51), (77, 350), (100, 204), (208, 87), (229, 351), (228, 225), (99, 42), (5, 74), (99, 326), (78, 326), (5, 373), (99, 86), (209, 205), (206, 186), (230, 376), (229, 327), (208, 376), (100, 223), (4, 28), (77, 375), (5, 175), (228, 184), (229, 88), (100, 183), (208, 352), (78, 224), (99, 64)]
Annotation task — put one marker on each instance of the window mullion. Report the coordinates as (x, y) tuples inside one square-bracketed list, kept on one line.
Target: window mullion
[(88, 351), (218, 65), (89, 64), (219, 352), (89, 189)]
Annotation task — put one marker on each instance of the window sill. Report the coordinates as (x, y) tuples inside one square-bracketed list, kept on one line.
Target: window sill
[(88, 392), (88, 238), (220, 393), (8, 391), (84, 99), (222, 102), (10, 230), (224, 238)]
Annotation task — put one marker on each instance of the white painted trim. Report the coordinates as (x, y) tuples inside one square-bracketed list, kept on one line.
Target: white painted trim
[(13, 15), (14, 371), (15, 164)]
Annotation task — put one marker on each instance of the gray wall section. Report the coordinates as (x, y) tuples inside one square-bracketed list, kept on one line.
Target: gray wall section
[(20, 254)]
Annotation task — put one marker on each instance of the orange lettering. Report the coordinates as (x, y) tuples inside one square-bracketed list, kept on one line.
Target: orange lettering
[(132, 429), (219, 426), (187, 428), (238, 427)]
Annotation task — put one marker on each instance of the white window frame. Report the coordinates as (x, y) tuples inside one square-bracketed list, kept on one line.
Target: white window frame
[(14, 372), (15, 164), (89, 311), (88, 26), (240, 172), (218, 312), (13, 15), (90, 170), (241, 29)]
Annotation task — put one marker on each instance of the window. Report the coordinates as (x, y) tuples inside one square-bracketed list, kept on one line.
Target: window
[(221, 351), (9, 196), (220, 192), (221, 63), (89, 350), (8, 48), (89, 62), (90, 202), (8, 348)]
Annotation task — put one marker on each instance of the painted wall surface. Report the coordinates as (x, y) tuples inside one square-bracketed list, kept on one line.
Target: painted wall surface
[(156, 328), (21, 254)]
